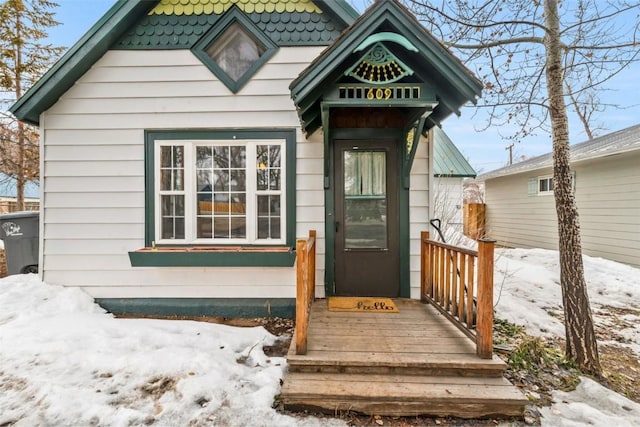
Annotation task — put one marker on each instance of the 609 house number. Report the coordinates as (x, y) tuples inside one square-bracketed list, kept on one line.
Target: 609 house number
[(379, 94)]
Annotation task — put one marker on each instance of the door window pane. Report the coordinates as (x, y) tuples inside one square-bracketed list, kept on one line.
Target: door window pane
[(365, 204), (364, 173)]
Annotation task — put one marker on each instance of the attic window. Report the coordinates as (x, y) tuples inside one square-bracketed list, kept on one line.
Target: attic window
[(234, 50)]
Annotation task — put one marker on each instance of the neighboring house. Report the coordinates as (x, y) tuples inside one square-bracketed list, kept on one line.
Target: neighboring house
[(186, 146), (450, 168), (521, 208), (8, 195)]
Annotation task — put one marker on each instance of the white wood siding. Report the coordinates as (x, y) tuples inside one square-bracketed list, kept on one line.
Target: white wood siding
[(93, 190), (93, 185), (608, 198), (419, 210)]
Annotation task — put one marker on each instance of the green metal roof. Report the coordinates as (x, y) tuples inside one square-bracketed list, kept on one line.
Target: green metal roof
[(448, 161), (111, 28), (452, 82)]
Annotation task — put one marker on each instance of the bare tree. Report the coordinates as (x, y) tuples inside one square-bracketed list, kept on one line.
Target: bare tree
[(23, 59), (536, 57)]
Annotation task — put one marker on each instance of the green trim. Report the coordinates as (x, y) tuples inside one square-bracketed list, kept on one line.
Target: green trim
[(233, 15), (433, 63), (379, 57), (78, 59), (403, 200), (246, 308), (411, 155), (387, 37), (339, 9), (211, 259), (289, 135)]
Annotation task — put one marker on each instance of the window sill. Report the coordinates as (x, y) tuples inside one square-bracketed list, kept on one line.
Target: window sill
[(278, 256)]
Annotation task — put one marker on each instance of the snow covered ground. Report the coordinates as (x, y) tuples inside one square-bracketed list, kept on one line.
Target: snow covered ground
[(64, 361)]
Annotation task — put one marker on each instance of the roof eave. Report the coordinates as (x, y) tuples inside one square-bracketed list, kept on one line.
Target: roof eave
[(78, 60), (339, 9)]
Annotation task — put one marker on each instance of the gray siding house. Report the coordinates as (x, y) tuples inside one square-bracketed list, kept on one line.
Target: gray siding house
[(520, 203)]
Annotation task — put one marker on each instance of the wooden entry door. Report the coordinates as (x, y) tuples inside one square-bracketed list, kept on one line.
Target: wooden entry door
[(367, 247)]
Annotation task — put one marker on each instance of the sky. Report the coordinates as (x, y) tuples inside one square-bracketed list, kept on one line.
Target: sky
[(485, 150), (120, 375)]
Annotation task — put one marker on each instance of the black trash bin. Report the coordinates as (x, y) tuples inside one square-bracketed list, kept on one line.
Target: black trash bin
[(20, 231)]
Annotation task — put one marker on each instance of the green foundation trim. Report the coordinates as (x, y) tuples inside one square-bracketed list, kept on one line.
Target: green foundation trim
[(217, 307)]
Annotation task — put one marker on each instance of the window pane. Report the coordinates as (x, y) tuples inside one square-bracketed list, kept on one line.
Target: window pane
[(364, 173), (172, 168), (238, 156), (221, 227), (165, 157), (274, 156), (220, 157), (268, 217), (268, 167), (165, 180), (204, 228), (235, 51), (221, 180), (274, 179), (204, 157), (238, 204), (172, 224), (366, 223), (238, 227), (238, 180)]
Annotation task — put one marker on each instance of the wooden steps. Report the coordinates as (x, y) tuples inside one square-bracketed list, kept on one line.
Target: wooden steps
[(411, 363), (403, 395)]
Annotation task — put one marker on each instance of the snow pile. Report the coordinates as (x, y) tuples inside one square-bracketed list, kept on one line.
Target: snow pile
[(64, 361), (527, 292), (590, 404)]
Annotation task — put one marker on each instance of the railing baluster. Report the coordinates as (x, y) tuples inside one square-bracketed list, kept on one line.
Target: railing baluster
[(454, 282), (463, 281), (448, 281), (470, 290)]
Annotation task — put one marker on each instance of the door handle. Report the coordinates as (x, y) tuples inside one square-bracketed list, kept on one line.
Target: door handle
[(337, 226)]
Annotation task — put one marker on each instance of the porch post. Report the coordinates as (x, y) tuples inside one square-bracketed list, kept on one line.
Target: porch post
[(484, 320), (424, 265)]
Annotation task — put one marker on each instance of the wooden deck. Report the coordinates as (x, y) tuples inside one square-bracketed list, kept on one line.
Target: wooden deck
[(414, 362)]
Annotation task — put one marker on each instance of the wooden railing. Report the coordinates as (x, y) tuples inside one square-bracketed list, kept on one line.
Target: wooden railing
[(448, 280), (305, 287)]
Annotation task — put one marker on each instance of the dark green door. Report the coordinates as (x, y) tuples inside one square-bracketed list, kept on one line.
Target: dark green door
[(367, 256)]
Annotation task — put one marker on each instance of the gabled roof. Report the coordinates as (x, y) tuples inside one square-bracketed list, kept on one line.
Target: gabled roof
[(456, 84), (448, 161), (97, 41), (622, 141)]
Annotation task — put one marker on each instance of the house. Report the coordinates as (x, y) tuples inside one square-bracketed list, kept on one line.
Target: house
[(8, 195), (520, 209), (450, 168), (186, 144)]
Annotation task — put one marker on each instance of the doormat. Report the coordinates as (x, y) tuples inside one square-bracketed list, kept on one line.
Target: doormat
[(362, 304)]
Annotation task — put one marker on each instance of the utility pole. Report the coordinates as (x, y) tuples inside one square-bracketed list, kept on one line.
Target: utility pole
[(510, 148)]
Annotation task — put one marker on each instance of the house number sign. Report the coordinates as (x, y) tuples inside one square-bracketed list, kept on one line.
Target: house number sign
[(379, 93)]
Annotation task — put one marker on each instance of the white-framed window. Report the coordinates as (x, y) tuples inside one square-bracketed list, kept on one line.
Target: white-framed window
[(545, 185), (221, 191)]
